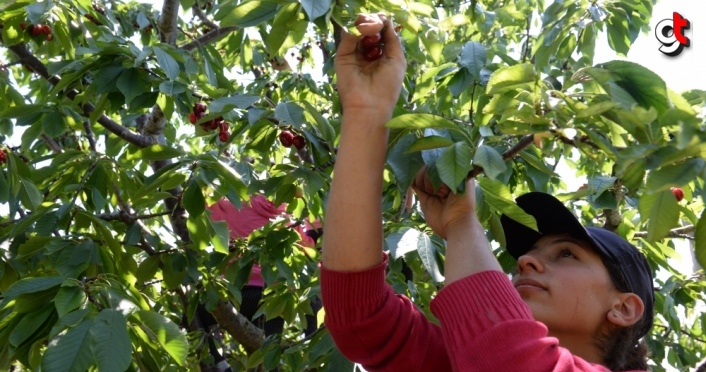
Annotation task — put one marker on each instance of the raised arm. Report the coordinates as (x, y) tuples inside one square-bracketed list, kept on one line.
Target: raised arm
[(368, 91)]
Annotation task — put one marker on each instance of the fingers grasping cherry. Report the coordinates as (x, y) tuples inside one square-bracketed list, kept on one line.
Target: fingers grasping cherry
[(372, 46)]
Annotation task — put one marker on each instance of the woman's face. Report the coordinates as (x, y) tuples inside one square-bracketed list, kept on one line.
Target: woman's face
[(566, 285)]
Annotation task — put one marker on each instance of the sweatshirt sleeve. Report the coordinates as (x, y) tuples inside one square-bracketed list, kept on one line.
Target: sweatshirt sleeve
[(487, 327), (377, 328)]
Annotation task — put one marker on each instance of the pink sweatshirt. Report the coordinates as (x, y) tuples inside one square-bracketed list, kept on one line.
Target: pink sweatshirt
[(251, 216), (485, 326)]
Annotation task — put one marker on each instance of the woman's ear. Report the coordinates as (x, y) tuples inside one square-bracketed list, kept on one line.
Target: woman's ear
[(627, 310)]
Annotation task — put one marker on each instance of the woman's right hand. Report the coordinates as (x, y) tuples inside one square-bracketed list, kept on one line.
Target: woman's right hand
[(370, 85)]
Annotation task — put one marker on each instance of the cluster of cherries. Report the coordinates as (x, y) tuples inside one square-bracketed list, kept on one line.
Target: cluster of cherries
[(199, 111), (36, 30), (287, 138), (372, 46)]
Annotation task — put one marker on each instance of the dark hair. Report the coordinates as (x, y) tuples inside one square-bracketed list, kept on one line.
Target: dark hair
[(622, 347)]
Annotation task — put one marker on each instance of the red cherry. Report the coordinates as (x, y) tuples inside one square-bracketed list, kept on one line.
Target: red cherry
[(23, 25), (299, 142), (370, 40), (199, 107), (286, 138), (50, 37), (46, 30), (192, 118), (223, 126), (372, 54), (678, 193), (223, 135), (36, 30), (212, 124), (3, 157), (200, 115)]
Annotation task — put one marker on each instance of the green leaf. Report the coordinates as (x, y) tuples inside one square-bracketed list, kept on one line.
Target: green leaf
[(315, 8), (250, 13), (221, 236), (148, 268), (165, 332), (700, 240), (69, 299), (171, 88), (33, 245), (404, 241), (646, 87), (404, 165), (30, 285), (15, 112), (30, 323), (454, 165), (30, 195), (167, 62), (491, 161), (132, 84), (595, 109), (661, 212), (71, 351), (323, 126), (427, 253), (155, 152), (339, 363), (429, 142), (461, 81), (228, 103), (618, 33), (674, 175), (511, 77), (499, 197), (74, 259), (420, 121), (111, 344), (289, 113), (473, 57), (193, 199), (53, 124)]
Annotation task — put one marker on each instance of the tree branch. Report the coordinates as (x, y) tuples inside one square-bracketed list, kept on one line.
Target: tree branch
[(34, 64), (684, 232), (52, 144), (168, 22), (198, 13), (209, 37), (235, 323)]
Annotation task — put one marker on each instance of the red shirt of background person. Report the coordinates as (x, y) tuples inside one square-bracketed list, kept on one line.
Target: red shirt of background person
[(253, 215)]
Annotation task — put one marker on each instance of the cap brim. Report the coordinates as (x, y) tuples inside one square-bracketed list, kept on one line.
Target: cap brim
[(552, 218)]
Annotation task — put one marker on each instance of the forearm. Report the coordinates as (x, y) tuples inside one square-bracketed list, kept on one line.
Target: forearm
[(353, 239), (467, 250)]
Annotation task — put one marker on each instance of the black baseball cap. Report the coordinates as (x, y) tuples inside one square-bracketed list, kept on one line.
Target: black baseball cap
[(618, 254)]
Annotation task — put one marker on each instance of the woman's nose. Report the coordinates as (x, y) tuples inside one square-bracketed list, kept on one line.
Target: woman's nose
[(529, 262)]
